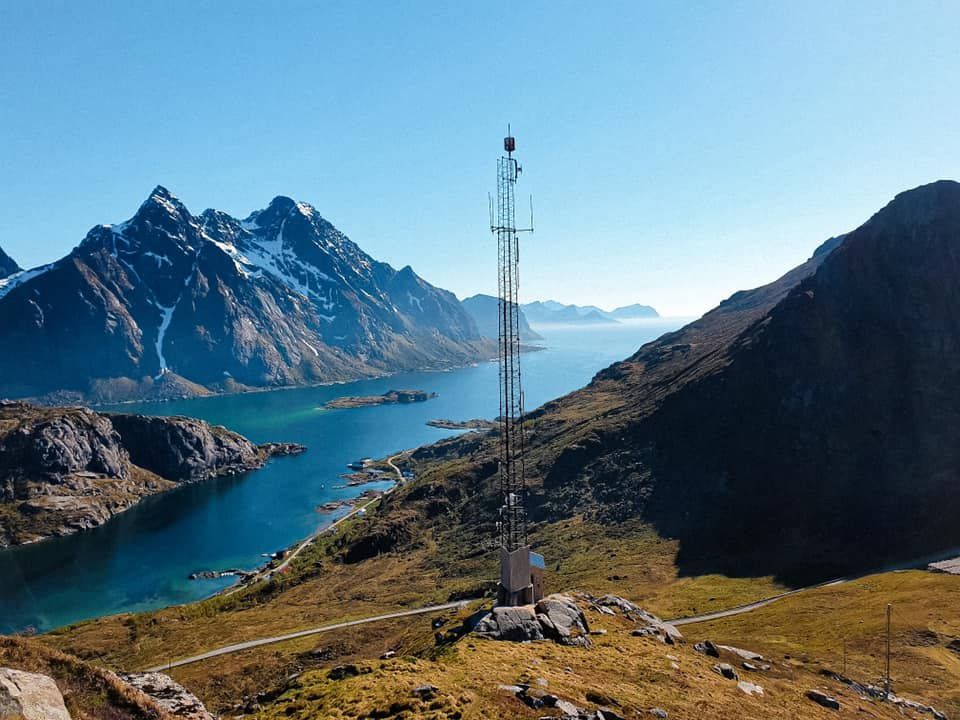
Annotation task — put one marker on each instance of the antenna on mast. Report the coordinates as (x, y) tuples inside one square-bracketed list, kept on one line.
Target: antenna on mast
[(521, 571)]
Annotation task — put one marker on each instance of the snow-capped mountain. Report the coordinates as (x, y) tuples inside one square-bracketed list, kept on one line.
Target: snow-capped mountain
[(7, 265), (170, 303)]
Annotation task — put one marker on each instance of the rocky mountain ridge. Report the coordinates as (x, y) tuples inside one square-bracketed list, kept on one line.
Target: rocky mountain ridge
[(172, 304), (66, 469), (484, 309), (7, 265), (550, 311)]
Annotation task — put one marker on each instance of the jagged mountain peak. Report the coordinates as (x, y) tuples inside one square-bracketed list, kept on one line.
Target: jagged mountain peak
[(7, 265), (280, 208), (280, 298), (163, 201)]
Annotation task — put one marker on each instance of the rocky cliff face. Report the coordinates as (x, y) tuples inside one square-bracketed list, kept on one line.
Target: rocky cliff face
[(65, 469), (7, 265), (39, 683), (168, 303), (804, 429)]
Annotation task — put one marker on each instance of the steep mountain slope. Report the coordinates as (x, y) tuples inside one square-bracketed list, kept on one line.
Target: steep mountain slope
[(170, 304), (484, 310), (7, 265), (804, 429)]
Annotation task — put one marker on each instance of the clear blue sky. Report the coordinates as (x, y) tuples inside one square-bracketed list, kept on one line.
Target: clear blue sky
[(677, 152)]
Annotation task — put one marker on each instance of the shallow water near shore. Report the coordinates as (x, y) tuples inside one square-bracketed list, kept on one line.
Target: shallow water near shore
[(141, 558)]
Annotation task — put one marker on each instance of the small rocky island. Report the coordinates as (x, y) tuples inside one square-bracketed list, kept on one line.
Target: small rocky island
[(64, 469), (391, 397), (475, 424)]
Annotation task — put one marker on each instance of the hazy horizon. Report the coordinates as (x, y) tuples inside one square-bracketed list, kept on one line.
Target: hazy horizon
[(675, 154)]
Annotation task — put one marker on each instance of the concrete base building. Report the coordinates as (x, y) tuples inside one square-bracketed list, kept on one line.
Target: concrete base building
[(521, 577)]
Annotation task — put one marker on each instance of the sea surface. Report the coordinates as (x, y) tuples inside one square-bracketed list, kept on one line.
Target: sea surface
[(141, 558)]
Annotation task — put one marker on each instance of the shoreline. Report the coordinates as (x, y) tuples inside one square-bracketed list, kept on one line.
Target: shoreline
[(251, 390), (264, 570), (268, 451)]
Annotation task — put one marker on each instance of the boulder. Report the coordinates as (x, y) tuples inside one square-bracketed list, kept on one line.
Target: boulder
[(823, 699), (616, 601), (556, 617), (707, 648), (567, 708), (608, 714), (341, 672), (666, 632), (750, 688), (658, 712), (600, 698), (745, 654), (30, 696), (562, 620), (169, 695), (519, 624), (726, 670), (426, 692)]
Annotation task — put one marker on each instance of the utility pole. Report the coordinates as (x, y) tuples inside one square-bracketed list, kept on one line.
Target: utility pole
[(889, 608), (844, 655)]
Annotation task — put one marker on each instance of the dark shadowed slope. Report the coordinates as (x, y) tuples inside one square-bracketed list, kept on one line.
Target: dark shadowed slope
[(804, 429)]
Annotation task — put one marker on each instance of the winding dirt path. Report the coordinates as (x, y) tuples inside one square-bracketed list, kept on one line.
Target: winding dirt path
[(302, 633), (756, 605)]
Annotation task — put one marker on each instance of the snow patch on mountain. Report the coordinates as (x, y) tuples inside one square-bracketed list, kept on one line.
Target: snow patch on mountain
[(9, 283), (166, 317), (161, 259)]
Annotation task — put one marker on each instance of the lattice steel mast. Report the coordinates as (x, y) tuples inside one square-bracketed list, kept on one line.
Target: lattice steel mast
[(515, 562)]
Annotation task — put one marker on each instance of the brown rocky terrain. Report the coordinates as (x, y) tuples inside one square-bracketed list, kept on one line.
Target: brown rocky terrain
[(66, 469)]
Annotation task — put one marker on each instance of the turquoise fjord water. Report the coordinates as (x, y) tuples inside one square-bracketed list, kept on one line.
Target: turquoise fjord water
[(140, 559)]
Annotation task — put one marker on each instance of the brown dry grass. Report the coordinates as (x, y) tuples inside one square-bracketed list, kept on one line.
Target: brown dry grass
[(637, 673), (817, 626), (89, 692)]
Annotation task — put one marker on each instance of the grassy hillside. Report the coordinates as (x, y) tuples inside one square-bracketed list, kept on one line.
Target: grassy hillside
[(631, 675), (629, 559), (89, 692)]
